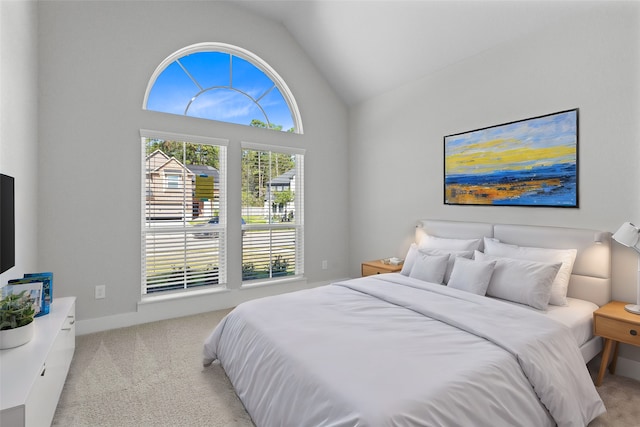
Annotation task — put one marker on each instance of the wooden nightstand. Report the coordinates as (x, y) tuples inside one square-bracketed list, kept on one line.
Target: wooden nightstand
[(370, 268), (615, 325)]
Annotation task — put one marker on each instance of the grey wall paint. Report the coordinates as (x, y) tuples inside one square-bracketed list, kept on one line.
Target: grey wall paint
[(19, 125), (96, 59), (590, 62)]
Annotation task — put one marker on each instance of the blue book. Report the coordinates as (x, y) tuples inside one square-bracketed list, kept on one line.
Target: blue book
[(46, 278)]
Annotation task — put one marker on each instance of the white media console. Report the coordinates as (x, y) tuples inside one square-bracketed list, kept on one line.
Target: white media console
[(32, 375)]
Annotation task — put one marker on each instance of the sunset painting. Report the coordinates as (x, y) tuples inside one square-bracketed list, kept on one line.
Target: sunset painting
[(530, 162)]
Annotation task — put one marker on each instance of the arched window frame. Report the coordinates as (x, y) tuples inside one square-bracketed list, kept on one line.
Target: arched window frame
[(240, 53)]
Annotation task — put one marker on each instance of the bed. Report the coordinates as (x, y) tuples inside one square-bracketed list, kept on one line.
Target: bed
[(398, 350)]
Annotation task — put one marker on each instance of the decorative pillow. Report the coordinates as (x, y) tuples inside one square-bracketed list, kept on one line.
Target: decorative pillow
[(521, 281), (452, 257), (471, 276), (565, 256), (432, 242), (409, 259), (413, 252), (429, 268)]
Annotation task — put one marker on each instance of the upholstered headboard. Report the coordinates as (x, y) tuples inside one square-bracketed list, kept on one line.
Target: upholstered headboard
[(591, 276)]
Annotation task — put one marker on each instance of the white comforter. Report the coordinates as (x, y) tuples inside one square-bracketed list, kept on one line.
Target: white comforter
[(394, 351)]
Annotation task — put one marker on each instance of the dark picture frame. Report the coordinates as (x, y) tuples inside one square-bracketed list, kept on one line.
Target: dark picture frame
[(529, 162)]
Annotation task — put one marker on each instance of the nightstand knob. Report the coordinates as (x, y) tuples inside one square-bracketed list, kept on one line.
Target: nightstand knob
[(633, 332)]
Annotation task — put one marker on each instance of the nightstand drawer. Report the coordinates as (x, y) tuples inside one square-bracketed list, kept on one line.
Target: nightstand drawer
[(367, 270), (613, 323), (617, 330), (370, 268)]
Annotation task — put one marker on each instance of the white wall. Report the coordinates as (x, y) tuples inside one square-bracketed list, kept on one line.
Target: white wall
[(95, 62), (19, 125), (590, 62)]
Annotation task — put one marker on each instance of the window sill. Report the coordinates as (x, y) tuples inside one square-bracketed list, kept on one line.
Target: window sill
[(270, 282), (151, 299)]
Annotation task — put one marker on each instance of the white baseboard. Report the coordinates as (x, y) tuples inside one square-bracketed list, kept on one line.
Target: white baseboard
[(172, 306), (628, 368)]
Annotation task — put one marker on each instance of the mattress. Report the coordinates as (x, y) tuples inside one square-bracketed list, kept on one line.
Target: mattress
[(577, 316)]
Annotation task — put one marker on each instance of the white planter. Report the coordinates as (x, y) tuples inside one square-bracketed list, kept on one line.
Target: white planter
[(10, 338)]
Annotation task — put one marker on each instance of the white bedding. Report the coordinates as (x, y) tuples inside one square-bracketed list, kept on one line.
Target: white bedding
[(577, 315), (390, 350)]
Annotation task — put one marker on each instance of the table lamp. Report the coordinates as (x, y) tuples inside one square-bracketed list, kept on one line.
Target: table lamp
[(628, 235)]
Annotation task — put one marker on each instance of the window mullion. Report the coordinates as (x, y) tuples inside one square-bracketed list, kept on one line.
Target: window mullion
[(195, 82)]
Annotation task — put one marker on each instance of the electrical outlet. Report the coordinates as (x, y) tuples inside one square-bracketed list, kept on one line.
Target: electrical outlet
[(325, 264), (101, 292)]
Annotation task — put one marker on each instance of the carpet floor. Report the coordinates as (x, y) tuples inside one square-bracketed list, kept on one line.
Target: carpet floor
[(152, 375)]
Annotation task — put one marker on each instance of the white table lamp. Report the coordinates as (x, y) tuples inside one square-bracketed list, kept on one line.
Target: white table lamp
[(629, 235)]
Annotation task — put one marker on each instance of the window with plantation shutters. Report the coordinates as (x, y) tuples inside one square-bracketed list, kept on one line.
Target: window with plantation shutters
[(272, 212), (183, 212)]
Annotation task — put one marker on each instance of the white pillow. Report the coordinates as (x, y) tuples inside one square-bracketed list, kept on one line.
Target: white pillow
[(429, 268), (471, 276), (565, 256), (414, 251), (432, 242), (409, 259), (521, 281), (452, 257)]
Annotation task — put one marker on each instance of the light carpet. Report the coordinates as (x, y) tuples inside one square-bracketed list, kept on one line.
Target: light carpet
[(152, 375)]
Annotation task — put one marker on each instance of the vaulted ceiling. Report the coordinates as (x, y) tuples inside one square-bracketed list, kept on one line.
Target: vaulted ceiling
[(364, 48)]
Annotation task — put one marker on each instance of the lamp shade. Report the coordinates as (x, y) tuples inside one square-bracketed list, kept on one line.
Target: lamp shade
[(627, 234)]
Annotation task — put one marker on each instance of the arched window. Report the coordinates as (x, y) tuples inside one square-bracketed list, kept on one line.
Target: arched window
[(184, 197), (217, 81)]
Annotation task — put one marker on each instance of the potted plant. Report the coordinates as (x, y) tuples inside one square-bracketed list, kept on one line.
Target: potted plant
[(16, 320)]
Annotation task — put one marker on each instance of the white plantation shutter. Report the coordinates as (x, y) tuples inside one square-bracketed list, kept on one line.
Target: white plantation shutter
[(183, 212), (273, 209)]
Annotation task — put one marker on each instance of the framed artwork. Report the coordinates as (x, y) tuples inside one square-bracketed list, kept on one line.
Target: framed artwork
[(531, 162)]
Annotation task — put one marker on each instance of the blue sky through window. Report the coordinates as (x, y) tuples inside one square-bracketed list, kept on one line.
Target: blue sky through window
[(220, 87)]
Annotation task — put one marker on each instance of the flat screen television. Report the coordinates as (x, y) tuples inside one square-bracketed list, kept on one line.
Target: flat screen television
[(7, 223)]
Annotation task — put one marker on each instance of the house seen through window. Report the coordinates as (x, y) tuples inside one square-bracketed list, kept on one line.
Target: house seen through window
[(184, 196), (184, 191), (272, 204)]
